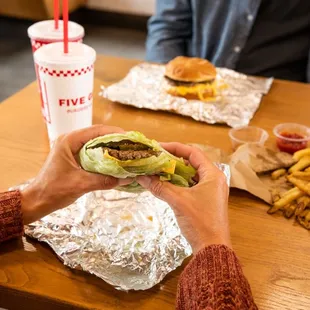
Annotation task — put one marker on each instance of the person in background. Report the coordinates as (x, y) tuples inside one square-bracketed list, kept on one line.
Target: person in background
[(259, 37), (212, 280)]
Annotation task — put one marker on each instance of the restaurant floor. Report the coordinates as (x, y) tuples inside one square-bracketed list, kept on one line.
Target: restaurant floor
[(16, 64)]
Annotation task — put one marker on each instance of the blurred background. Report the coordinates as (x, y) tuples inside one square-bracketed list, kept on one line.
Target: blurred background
[(112, 27)]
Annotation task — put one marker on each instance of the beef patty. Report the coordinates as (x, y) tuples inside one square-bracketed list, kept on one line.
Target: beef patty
[(186, 84), (131, 154), (128, 150)]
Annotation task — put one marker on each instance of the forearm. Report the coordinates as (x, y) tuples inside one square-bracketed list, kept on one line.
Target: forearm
[(11, 217), (214, 280), (169, 30)]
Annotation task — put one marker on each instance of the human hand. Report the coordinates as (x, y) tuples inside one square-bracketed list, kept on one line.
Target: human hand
[(61, 180), (202, 210)]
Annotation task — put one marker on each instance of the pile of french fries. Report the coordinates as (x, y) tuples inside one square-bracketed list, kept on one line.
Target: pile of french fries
[(296, 201)]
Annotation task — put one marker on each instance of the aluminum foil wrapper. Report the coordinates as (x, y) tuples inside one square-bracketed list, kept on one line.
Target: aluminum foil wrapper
[(131, 241), (144, 87)]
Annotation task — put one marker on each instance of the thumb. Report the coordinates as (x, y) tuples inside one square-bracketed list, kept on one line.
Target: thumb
[(162, 190)]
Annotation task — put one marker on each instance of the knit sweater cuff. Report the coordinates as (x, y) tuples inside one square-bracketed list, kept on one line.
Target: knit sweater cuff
[(219, 260), (214, 277), (11, 217)]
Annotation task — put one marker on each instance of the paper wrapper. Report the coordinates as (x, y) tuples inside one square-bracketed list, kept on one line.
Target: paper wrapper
[(144, 87), (242, 174), (131, 241)]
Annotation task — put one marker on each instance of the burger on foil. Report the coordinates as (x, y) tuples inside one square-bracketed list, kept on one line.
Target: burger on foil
[(191, 78), (131, 154)]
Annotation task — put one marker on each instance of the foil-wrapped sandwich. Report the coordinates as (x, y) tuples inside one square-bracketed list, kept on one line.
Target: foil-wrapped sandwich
[(131, 154)]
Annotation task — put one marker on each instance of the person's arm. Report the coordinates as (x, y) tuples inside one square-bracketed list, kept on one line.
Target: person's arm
[(60, 182), (11, 218), (213, 279), (169, 30)]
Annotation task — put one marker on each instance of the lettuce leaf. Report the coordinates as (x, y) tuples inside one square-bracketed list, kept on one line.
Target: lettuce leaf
[(170, 168)]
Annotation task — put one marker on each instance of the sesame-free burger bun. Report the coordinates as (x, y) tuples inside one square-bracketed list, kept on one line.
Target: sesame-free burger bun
[(190, 69)]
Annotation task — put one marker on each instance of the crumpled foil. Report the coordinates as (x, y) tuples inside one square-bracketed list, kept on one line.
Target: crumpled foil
[(144, 87), (131, 241)]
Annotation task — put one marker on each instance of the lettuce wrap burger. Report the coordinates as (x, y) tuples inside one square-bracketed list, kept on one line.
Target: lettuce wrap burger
[(128, 155)]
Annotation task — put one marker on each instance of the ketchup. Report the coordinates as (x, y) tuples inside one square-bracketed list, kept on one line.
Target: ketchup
[(291, 146)]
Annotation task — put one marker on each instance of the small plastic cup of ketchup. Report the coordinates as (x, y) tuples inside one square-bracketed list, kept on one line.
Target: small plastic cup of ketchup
[(292, 137)]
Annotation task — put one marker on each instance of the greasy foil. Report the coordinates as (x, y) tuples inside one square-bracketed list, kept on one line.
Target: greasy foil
[(144, 87), (131, 241)]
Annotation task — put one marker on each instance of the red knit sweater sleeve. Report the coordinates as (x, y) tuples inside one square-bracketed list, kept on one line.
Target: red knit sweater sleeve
[(11, 217), (214, 280)]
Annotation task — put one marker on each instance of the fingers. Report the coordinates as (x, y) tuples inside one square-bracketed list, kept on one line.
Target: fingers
[(195, 156), (162, 190), (178, 149), (78, 138), (94, 181), (123, 182)]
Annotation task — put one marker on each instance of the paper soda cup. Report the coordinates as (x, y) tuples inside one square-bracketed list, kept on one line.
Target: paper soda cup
[(44, 32), (66, 86)]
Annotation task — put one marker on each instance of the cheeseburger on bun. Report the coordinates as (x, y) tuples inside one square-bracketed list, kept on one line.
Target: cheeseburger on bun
[(191, 78)]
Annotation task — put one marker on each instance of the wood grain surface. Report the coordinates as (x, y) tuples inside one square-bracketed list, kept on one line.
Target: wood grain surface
[(274, 252)]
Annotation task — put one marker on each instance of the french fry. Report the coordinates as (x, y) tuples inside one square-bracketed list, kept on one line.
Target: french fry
[(296, 201), (301, 184), (302, 203), (304, 223), (304, 213), (303, 163), (278, 173), (289, 211), (291, 191), (299, 154), (287, 199), (274, 209), (304, 219), (276, 198), (302, 175)]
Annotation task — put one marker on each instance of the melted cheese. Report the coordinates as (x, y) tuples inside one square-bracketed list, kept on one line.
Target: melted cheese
[(205, 92), (170, 169)]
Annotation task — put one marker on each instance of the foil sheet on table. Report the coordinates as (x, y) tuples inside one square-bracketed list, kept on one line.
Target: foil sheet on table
[(131, 241), (144, 87)]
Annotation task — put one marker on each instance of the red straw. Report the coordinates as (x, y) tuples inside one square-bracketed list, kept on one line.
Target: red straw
[(65, 13), (56, 13)]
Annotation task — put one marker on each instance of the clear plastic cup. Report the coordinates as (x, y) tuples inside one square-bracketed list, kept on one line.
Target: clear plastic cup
[(66, 86), (44, 32), (248, 134)]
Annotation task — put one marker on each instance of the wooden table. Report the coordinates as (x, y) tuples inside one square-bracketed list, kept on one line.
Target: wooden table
[(274, 252)]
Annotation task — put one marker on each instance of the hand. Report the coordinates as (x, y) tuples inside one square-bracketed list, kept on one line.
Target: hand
[(61, 180), (201, 210)]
